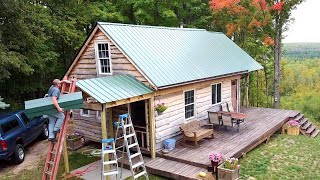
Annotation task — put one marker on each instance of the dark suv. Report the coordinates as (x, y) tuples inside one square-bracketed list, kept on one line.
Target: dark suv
[(17, 131)]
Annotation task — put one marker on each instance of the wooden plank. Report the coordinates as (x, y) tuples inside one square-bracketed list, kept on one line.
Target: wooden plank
[(152, 128), (92, 106)]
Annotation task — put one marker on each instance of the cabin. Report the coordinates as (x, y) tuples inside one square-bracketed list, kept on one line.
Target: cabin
[(123, 68)]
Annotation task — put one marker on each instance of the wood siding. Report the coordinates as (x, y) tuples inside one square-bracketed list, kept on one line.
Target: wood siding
[(86, 66), (168, 123)]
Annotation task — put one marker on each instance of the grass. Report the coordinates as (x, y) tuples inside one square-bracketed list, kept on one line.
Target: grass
[(285, 157), (76, 160)]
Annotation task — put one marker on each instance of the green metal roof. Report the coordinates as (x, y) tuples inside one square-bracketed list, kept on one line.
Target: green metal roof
[(44, 106), (169, 56), (113, 88)]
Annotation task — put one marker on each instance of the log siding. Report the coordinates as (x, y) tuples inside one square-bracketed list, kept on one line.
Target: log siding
[(86, 65), (168, 123)]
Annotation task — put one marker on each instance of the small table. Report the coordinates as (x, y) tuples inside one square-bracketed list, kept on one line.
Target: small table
[(239, 117)]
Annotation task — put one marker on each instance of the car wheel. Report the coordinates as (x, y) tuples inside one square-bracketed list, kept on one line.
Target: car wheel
[(18, 155), (45, 131)]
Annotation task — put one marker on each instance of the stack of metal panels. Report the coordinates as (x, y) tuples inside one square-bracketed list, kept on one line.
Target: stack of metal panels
[(44, 106)]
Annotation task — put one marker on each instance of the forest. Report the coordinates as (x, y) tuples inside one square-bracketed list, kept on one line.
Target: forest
[(39, 39)]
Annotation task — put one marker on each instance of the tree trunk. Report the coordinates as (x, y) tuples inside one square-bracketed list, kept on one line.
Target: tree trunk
[(277, 59)]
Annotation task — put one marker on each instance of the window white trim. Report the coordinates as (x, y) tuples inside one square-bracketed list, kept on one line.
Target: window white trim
[(98, 62), (194, 105), (216, 93), (85, 114)]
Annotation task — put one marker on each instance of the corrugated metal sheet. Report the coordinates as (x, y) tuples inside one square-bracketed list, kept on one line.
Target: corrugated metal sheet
[(113, 88), (44, 106), (175, 55)]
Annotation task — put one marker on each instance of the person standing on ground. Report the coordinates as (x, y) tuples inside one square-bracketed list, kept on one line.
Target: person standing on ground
[(56, 119)]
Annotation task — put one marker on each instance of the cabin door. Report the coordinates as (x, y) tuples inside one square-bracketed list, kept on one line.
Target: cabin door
[(234, 94), (139, 119)]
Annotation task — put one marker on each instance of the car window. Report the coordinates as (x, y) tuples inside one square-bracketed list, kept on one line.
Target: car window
[(25, 119), (9, 126)]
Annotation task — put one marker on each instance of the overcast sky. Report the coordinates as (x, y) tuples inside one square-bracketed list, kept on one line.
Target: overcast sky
[(306, 27)]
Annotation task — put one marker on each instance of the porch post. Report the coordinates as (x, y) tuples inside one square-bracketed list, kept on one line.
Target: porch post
[(247, 89), (152, 128), (104, 133), (110, 121)]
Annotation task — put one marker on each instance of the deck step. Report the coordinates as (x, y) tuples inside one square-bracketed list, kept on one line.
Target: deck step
[(306, 126), (315, 133), (311, 129), (299, 117), (173, 169), (302, 121)]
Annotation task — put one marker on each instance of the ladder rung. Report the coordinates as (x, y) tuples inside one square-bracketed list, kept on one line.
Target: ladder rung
[(140, 174), (108, 151), (53, 152), (135, 155), (110, 173), (119, 147), (50, 162), (110, 162), (137, 165), (127, 125), (130, 135), (48, 172), (132, 145), (119, 137)]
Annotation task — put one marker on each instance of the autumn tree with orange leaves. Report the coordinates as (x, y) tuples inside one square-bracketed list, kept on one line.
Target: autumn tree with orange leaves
[(257, 26)]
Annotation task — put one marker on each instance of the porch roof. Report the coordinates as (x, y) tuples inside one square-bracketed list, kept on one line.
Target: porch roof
[(113, 88)]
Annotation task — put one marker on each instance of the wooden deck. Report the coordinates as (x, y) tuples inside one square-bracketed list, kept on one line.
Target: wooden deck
[(261, 124)]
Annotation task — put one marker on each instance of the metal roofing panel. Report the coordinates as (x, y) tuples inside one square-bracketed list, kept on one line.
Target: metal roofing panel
[(175, 55), (113, 88)]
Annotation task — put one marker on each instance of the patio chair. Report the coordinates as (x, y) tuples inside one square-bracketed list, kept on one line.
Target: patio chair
[(224, 107), (230, 107), (214, 119), (227, 121)]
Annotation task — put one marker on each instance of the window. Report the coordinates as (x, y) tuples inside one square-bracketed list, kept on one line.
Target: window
[(25, 119), (103, 56), (216, 93), (85, 112), (189, 104), (9, 126)]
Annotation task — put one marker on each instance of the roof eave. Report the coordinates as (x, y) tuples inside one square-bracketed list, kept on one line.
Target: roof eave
[(201, 80)]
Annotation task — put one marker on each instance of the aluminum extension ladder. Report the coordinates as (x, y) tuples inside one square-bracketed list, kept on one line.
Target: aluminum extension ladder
[(53, 157), (108, 147), (125, 131)]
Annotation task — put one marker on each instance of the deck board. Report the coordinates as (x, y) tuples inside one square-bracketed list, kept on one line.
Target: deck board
[(188, 161)]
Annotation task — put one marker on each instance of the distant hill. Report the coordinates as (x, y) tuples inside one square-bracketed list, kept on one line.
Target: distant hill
[(301, 50)]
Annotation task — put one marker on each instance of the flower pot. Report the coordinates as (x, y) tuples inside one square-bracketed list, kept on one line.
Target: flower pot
[(228, 174), (214, 168), (159, 113), (293, 130), (75, 143)]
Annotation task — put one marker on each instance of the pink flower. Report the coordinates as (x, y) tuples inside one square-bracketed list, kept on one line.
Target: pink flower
[(293, 123), (215, 157)]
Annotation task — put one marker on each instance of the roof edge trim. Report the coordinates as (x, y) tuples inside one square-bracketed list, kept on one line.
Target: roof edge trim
[(202, 80)]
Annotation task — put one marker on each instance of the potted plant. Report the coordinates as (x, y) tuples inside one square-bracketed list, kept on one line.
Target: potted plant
[(229, 169), (216, 160), (293, 127), (74, 141), (160, 108)]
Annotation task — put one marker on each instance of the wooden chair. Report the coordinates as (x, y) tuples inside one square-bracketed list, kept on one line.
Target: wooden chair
[(214, 119), (227, 120), (193, 131), (224, 107), (230, 107)]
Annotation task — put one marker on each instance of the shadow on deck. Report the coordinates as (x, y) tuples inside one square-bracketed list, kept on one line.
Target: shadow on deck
[(261, 124)]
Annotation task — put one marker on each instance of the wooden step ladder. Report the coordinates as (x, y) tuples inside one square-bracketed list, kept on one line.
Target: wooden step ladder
[(306, 127), (55, 148)]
